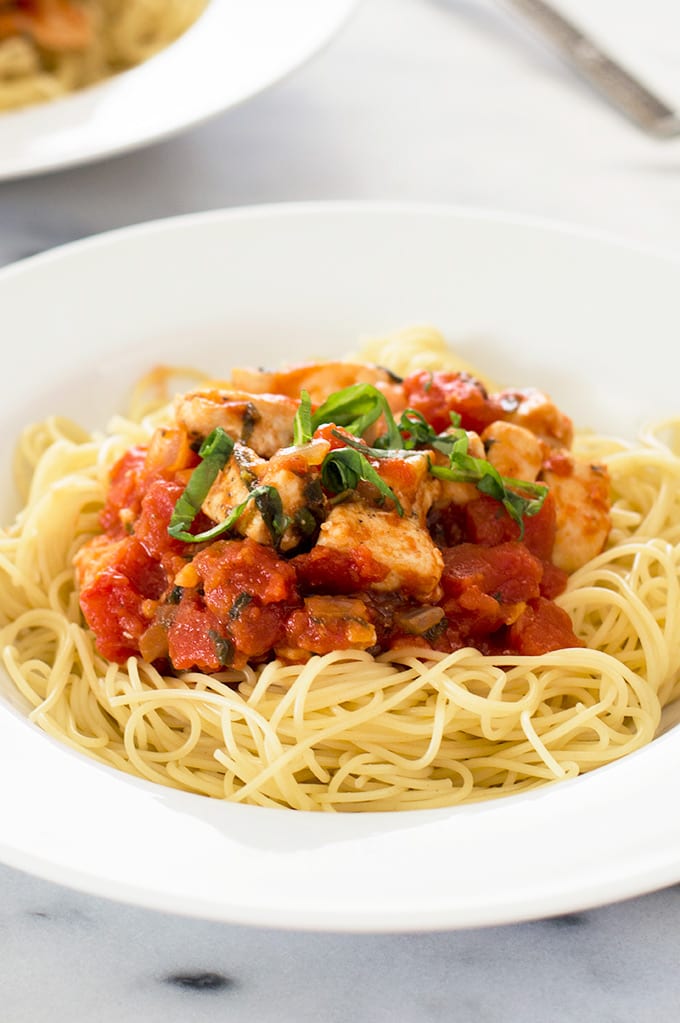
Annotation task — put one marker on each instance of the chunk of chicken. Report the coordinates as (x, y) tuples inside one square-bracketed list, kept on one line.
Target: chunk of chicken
[(414, 563), (231, 487), (581, 494), (513, 450), (536, 412), (319, 379), (410, 480), (262, 421), (291, 472)]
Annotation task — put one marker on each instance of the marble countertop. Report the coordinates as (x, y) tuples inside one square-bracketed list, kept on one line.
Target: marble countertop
[(438, 100)]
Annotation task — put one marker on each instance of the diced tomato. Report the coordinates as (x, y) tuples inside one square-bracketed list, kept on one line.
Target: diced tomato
[(436, 395), (540, 529), (485, 588), (560, 462), (151, 528), (327, 570), (488, 523), (256, 630), (542, 627), (124, 490), (145, 574), (398, 473), (554, 580), (196, 638), (230, 568), (329, 431), (114, 610), (509, 572), (330, 623)]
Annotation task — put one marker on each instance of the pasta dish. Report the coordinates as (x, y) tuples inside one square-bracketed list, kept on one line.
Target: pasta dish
[(340, 586), (52, 47)]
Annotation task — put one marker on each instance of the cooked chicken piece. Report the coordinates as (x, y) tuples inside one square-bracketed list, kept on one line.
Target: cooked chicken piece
[(231, 487), (581, 494), (513, 450), (319, 379), (415, 565), (290, 472), (411, 482), (262, 421), (536, 412)]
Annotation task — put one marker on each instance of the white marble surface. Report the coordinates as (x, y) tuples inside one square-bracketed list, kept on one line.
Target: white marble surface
[(437, 100)]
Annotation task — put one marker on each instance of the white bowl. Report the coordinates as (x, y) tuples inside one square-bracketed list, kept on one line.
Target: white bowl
[(592, 321), (233, 51)]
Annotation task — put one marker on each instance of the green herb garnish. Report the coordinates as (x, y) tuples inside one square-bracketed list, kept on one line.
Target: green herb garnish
[(215, 452), (355, 408), (519, 497), (241, 601), (344, 468), (224, 648), (268, 502), (302, 424)]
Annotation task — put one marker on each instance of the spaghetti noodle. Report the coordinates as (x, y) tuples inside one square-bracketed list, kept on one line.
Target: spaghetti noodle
[(49, 48), (347, 730)]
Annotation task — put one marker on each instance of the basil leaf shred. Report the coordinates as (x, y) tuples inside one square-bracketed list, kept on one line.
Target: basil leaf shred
[(343, 468), (302, 424), (215, 452), (355, 408)]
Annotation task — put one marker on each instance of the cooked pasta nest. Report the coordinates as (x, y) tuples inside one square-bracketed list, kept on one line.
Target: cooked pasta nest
[(348, 731)]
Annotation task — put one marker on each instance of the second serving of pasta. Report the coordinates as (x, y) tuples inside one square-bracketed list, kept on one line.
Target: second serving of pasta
[(49, 48)]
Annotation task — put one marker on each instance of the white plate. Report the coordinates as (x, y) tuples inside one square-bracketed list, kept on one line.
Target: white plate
[(593, 321), (234, 50)]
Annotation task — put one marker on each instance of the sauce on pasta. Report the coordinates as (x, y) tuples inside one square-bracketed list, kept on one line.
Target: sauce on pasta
[(263, 524), (357, 677)]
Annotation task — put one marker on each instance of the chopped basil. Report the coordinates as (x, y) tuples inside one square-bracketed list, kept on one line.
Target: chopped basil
[(268, 502), (302, 424), (344, 468), (305, 522), (355, 408), (241, 601), (215, 452), (217, 530), (224, 648), (519, 497)]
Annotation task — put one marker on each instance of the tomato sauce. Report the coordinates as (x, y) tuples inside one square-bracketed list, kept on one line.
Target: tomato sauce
[(208, 606)]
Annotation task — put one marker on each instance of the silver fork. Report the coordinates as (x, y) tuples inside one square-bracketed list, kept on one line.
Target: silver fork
[(621, 88)]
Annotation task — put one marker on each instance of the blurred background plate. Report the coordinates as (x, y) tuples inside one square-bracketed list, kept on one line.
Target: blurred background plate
[(236, 49)]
